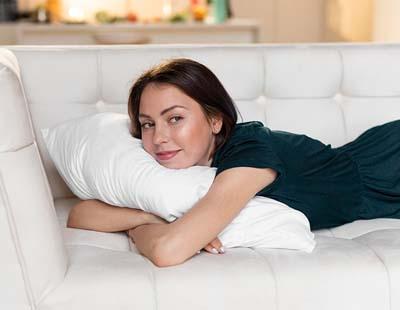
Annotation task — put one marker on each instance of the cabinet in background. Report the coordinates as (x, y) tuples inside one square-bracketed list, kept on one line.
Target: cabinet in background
[(232, 31)]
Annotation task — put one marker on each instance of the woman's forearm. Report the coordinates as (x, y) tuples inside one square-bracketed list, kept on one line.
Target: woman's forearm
[(99, 216), (155, 241), (148, 238)]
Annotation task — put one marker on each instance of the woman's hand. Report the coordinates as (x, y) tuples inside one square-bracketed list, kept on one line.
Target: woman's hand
[(149, 218), (154, 219)]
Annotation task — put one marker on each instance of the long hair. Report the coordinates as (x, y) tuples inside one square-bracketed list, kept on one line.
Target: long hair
[(197, 82)]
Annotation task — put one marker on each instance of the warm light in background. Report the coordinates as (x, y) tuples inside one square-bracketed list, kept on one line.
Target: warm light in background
[(144, 8), (167, 8), (76, 14), (80, 10)]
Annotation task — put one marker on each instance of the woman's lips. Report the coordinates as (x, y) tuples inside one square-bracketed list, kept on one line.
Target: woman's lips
[(166, 155)]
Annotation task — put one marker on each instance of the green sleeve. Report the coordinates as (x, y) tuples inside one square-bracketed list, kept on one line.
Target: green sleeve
[(251, 150)]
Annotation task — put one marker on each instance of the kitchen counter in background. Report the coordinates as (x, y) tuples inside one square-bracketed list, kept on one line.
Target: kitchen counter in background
[(232, 31)]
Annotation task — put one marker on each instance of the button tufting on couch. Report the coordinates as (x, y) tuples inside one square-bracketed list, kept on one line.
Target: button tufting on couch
[(331, 92)]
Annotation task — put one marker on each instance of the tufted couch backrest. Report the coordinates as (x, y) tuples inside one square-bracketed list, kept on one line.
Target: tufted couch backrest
[(327, 91)]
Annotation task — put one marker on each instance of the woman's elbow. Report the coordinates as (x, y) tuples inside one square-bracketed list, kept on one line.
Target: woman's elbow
[(165, 254), (73, 217), (160, 259)]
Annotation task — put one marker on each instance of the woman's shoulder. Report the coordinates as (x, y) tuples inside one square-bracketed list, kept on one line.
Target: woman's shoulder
[(249, 125), (250, 145), (246, 129), (248, 132), (245, 135)]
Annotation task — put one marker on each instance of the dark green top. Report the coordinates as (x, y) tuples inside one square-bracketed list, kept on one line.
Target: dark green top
[(331, 186)]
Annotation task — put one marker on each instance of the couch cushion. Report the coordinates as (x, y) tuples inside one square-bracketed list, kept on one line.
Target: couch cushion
[(375, 74), (298, 73), (359, 273), (103, 279), (117, 241), (362, 227)]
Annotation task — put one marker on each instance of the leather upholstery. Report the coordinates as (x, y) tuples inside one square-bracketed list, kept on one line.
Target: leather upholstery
[(332, 92)]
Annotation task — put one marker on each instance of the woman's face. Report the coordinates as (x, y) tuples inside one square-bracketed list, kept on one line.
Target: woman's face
[(175, 130)]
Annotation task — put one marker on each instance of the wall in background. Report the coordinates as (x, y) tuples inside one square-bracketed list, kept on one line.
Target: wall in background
[(263, 11), (349, 20), (386, 20), (285, 20)]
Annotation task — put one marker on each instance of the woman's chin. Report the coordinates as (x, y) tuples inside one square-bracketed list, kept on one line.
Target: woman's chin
[(174, 165)]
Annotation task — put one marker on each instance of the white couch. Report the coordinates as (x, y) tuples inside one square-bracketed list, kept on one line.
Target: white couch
[(330, 92)]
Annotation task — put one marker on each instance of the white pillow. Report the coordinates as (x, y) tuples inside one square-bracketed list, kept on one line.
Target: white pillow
[(99, 159)]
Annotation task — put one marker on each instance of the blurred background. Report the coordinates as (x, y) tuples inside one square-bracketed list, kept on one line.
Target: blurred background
[(197, 21)]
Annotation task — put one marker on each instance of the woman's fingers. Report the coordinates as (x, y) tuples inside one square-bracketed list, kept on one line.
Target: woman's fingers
[(215, 247), (129, 235), (216, 243)]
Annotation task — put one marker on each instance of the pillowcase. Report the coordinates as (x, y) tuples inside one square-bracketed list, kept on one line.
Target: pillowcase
[(98, 159)]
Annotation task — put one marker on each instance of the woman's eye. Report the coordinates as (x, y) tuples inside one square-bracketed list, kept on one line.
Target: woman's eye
[(144, 125), (148, 125), (177, 118)]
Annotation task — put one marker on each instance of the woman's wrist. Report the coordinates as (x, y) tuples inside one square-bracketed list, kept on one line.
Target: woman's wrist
[(139, 217)]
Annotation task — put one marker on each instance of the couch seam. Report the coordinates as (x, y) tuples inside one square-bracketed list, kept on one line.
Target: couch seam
[(264, 90), (264, 73), (342, 73), (153, 278), (340, 104), (264, 87), (18, 149), (28, 110), (17, 245), (346, 132), (93, 246), (384, 265), (273, 275), (99, 83)]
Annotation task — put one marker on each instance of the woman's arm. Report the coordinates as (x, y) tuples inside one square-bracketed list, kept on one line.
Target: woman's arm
[(228, 195), (99, 216)]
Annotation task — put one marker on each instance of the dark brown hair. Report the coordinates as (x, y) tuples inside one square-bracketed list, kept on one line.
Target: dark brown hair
[(197, 82)]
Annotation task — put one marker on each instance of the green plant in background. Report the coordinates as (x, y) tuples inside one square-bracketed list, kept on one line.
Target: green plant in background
[(103, 17), (178, 17)]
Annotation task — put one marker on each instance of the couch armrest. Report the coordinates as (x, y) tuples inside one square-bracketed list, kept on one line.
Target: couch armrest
[(33, 258)]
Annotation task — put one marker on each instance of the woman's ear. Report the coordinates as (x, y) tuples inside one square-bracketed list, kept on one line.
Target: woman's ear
[(216, 124)]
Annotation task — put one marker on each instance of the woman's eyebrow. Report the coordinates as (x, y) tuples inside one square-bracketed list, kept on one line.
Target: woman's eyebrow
[(164, 111)]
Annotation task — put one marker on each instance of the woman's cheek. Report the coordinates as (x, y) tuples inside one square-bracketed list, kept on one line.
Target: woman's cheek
[(186, 133), (147, 146)]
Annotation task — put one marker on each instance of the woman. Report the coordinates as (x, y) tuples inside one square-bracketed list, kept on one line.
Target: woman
[(185, 117)]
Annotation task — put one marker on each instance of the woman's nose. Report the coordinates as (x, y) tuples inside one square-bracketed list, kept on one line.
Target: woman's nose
[(160, 136)]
